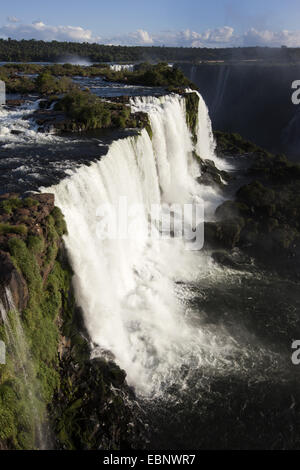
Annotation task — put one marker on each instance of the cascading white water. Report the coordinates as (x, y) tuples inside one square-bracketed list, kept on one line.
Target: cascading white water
[(206, 146), (127, 288), (16, 127)]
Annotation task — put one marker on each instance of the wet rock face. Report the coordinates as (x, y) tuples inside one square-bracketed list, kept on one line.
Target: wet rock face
[(90, 405), (13, 279), (26, 220), (14, 103), (50, 119), (95, 408), (20, 218), (211, 175), (263, 220)]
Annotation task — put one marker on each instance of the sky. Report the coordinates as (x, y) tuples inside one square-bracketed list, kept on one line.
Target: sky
[(187, 23)]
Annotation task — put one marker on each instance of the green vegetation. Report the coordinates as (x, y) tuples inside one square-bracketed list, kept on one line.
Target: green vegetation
[(264, 218), (160, 75), (234, 144), (87, 111), (47, 84), (35, 244), (32, 50), (29, 202), (18, 229), (48, 279), (22, 85), (9, 205), (192, 104), (56, 79), (78, 393)]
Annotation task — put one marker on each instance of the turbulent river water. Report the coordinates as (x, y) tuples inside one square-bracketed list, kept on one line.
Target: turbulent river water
[(206, 348)]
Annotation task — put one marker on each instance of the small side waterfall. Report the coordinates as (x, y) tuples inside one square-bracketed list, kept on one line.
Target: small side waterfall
[(19, 359)]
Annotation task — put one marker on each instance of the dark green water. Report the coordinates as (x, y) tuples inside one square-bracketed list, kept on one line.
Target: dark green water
[(251, 399)]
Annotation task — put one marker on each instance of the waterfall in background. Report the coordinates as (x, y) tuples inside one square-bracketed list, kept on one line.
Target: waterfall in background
[(18, 352), (130, 290)]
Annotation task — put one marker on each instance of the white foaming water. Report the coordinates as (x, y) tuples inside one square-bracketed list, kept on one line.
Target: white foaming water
[(206, 146), (127, 289), (17, 129)]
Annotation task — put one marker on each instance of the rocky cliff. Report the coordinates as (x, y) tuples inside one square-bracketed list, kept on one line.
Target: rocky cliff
[(53, 396)]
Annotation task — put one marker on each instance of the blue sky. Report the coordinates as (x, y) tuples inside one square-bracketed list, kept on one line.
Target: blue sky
[(212, 23)]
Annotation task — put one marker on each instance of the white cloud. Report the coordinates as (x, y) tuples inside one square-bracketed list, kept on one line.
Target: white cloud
[(40, 30), (137, 38), (218, 37), (271, 38), (223, 36), (12, 19), (187, 38)]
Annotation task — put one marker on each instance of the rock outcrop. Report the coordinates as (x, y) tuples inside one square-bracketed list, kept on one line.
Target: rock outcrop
[(264, 218), (12, 279), (86, 403)]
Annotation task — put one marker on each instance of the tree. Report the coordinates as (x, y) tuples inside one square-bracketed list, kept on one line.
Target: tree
[(45, 83)]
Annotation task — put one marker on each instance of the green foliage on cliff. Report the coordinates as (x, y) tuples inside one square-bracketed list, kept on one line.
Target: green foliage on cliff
[(192, 105), (18, 229), (8, 205), (35, 244), (160, 75), (234, 144), (87, 111), (268, 206), (48, 279)]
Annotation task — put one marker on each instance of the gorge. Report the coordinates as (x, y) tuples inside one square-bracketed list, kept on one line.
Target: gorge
[(140, 342), (246, 98)]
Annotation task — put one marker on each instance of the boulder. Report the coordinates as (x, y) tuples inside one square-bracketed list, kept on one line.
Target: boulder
[(225, 234)]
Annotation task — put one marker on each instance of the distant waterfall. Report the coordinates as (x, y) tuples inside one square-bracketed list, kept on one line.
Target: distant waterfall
[(18, 353), (128, 289)]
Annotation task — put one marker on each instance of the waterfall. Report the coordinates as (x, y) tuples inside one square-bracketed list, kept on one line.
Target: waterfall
[(18, 353), (129, 289), (16, 127), (206, 146)]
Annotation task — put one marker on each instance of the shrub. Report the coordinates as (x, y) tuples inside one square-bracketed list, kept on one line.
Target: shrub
[(17, 229), (35, 244), (8, 205), (90, 112), (29, 202)]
